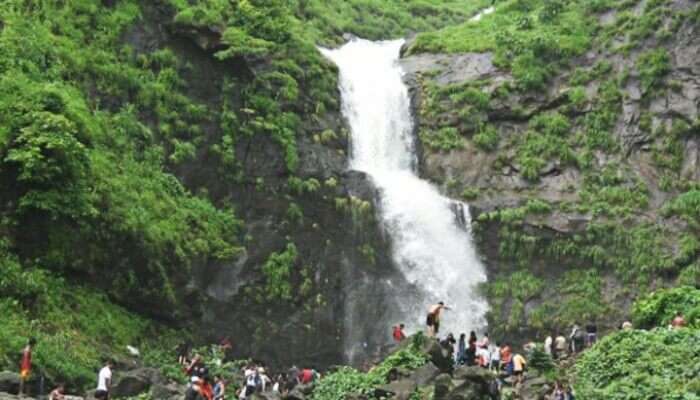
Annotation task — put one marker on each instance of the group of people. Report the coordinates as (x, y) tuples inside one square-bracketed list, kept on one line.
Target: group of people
[(254, 380)]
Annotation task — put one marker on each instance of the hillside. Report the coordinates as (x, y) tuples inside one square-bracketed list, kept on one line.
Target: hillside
[(571, 128), (177, 169)]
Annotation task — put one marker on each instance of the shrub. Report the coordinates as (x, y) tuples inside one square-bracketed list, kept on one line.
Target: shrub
[(658, 308), (640, 365)]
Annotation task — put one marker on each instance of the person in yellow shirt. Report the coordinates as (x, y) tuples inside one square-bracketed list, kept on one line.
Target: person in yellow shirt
[(519, 364)]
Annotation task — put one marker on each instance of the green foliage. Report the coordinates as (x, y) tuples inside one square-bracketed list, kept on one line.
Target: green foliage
[(653, 66), (658, 308), (76, 327), (487, 138), (278, 271), (531, 40), (338, 384), (327, 20), (642, 365)]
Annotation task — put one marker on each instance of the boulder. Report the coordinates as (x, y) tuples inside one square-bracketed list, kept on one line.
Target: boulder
[(401, 390), (9, 382), (425, 374), (167, 391), (134, 382), (439, 356), (443, 386)]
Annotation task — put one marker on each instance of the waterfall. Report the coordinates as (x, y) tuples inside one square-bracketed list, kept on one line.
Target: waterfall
[(431, 240)]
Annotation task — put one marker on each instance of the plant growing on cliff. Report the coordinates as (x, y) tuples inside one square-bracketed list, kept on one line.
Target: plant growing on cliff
[(278, 273)]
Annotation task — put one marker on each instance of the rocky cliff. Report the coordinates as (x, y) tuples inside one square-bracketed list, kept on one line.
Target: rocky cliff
[(576, 178)]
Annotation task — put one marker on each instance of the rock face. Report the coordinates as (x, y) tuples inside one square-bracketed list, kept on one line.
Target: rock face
[(648, 153), (342, 254), (9, 382)]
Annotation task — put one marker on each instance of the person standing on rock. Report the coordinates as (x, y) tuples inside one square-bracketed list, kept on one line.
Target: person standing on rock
[(519, 365), (548, 341), (219, 388), (559, 346), (433, 318), (591, 334), (495, 357), (25, 367), (462, 349), (398, 333), (104, 381)]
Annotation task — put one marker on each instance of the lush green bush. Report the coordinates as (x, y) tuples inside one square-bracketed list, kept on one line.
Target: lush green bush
[(658, 308), (76, 327), (338, 384), (641, 365)]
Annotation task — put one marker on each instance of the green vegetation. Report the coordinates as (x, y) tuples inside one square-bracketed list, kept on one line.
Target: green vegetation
[(657, 309), (641, 365), (530, 37), (337, 385), (76, 327), (277, 271)]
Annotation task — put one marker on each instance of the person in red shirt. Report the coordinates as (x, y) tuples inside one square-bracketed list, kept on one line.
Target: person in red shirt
[(25, 367), (678, 321), (398, 333)]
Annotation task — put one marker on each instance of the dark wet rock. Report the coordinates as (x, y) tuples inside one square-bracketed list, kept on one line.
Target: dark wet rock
[(135, 382), (9, 382), (443, 386), (439, 356), (425, 374), (400, 390)]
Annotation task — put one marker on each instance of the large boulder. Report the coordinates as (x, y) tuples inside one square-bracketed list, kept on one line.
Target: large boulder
[(163, 391), (439, 356), (443, 386), (9, 382), (400, 390), (135, 382), (425, 374)]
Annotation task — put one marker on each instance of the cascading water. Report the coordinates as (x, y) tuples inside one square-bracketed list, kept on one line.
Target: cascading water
[(431, 241)]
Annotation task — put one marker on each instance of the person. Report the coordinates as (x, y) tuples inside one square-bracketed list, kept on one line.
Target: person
[(308, 375), (58, 392), (678, 321), (183, 353), (591, 334), (519, 365), (471, 348), (462, 349), (25, 366), (626, 326), (292, 378), (398, 333), (558, 393), (219, 388), (264, 379), (485, 341), (104, 381), (576, 338), (449, 344), (433, 318), (483, 356), (548, 345), (507, 358), (559, 346), (194, 365), (569, 392), (252, 381), (495, 357)]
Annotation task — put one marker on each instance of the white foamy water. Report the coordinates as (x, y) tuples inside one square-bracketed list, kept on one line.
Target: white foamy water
[(432, 245)]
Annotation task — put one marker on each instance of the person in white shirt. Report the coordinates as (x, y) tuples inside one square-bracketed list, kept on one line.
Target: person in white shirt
[(104, 381), (548, 345), (495, 357)]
